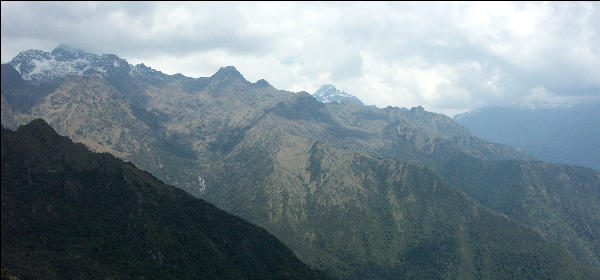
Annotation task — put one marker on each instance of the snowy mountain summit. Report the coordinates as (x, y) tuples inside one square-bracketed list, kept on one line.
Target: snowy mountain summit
[(328, 93), (37, 65)]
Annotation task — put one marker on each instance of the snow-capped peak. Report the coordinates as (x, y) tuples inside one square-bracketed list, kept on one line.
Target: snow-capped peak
[(329, 93), (37, 65), (64, 52)]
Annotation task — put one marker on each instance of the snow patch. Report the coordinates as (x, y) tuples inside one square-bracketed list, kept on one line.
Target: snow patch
[(328, 93), (202, 183), (18, 68), (35, 65)]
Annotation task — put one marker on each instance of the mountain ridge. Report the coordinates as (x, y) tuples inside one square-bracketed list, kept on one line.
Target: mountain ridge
[(71, 213), (252, 148)]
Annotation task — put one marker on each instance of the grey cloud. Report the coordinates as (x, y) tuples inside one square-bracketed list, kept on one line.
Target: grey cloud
[(326, 42), (93, 27), (347, 66)]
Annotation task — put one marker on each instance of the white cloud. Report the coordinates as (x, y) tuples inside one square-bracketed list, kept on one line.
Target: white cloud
[(447, 57)]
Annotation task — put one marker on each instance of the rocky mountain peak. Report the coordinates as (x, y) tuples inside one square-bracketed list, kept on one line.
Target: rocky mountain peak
[(227, 72), (25, 62), (417, 109), (65, 52), (262, 83), (39, 126), (142, 68), (39, 66), (329, 93), (32, 54)]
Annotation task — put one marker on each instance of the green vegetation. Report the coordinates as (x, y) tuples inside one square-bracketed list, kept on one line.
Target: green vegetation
[(69, 213), (359, 217), (361, 192), (560, 202)]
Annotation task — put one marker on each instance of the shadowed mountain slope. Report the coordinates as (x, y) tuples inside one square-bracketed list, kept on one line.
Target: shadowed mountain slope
[(70, 213)]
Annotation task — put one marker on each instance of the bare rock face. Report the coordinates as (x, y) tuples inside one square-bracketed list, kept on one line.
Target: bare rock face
[(358, 191)]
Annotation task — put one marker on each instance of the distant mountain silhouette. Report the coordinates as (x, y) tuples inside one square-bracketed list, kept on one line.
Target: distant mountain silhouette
[(568, 135)]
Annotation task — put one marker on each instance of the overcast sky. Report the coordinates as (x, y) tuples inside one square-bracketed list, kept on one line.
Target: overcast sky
[(447, 57)]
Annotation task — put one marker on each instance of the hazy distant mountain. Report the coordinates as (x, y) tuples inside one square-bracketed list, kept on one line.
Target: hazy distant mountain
[(68, 213), (565, 134), (351, 189), (328, 93)]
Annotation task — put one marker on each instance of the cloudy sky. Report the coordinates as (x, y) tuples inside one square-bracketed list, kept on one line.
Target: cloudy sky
[(447, 57)]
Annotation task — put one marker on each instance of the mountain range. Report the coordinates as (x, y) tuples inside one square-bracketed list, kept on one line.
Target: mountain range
[(359, 192), (567, 134)]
